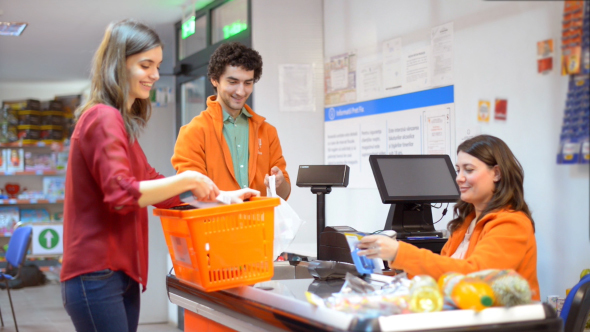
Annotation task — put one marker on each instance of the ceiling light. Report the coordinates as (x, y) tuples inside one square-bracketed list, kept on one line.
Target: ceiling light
[(12, 28)]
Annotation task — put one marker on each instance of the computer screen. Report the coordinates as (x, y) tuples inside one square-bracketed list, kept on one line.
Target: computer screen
[(415, 178)]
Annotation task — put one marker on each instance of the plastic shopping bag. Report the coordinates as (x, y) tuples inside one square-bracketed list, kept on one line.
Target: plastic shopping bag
[(287, 222)]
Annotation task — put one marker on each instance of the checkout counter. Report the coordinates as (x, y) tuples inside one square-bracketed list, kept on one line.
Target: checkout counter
[(280, 305)]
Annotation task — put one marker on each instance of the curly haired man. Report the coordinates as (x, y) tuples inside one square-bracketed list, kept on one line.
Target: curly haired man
[(228, 142)]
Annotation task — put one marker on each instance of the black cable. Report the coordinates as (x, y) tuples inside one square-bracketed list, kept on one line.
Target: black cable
[(443, 213)]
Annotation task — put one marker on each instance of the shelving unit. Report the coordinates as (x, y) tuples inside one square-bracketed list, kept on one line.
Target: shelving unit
[(32, 180)]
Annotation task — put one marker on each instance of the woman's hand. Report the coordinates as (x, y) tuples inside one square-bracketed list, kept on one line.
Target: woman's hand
[(238, 196), (201, 186), (378, 246)]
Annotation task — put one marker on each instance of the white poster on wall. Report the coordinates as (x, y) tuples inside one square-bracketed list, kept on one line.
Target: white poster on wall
[(392, 64), (441, 43), (417, 69), (369, 84), (414, 123), (296, 88)]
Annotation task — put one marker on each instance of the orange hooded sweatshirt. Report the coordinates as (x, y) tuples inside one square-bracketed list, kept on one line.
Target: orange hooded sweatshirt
[(201, 147), (500, 240)]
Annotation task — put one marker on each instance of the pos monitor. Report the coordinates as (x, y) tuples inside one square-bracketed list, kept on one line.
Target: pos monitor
[(410, 183)]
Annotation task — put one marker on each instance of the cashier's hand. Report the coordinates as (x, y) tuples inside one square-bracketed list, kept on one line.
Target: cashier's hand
[(378, 246), (238, 196), (279, 177), (201, 186)]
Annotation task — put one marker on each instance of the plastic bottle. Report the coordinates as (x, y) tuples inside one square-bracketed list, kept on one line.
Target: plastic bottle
[(425, 295)]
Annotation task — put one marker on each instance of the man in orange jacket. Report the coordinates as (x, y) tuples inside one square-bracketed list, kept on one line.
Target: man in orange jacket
[(228, 142)]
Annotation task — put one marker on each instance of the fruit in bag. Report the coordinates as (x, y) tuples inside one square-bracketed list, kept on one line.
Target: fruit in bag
[(472, 294)]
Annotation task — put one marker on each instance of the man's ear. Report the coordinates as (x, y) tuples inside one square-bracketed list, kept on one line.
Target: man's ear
[(497, 174), (214, 82)]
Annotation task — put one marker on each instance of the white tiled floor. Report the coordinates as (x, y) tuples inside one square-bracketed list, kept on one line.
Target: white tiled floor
[(40, 309)]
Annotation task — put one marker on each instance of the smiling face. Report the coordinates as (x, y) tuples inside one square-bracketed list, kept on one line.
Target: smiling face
[(234, 87), (142, 73), (476, 180)]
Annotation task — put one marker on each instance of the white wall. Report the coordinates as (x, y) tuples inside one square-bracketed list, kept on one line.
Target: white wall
[(291, 32), (157, 142), (494, 56), (41, 90)]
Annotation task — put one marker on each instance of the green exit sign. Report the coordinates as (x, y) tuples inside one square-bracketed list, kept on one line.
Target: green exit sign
[(188, 28), (234, 29)]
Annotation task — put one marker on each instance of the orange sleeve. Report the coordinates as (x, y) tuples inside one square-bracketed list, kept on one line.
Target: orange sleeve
[(276, 153), (503, 246), (189, 150)]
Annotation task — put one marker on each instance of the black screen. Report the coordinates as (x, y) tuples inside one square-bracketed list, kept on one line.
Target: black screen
[(415, 178)]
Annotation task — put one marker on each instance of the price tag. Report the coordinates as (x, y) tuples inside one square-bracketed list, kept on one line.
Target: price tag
[(33, 201), (12, 201), (39, 172), (52, 200), (9, 173)]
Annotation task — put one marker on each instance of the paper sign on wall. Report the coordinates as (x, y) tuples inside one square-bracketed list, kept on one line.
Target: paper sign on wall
[(47, 240), (500, 109), (483, 111)]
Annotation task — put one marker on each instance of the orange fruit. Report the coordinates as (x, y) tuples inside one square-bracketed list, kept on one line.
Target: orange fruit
[(472, 294), (444, 278)]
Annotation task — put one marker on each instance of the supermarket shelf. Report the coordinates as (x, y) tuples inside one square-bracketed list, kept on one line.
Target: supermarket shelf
[(39, 263), (14, 201), (36, 144), (38, 172)]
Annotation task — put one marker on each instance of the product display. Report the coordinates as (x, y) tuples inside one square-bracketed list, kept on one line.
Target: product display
[(54, 187), (9, 216), (34, 215), (35, 161), (14, 160), (26, 117), (51, 133)]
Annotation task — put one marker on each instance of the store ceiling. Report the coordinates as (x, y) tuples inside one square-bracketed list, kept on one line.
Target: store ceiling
[(62, 35)]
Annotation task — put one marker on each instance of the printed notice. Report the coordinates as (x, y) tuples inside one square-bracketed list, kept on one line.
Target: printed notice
[(373, 141), (441, 42), (369, 81), (437, 130), (417, 73), (392, 64), (296, 88), (342, 147)]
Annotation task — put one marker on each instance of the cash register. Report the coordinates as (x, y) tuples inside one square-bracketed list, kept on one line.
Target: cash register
[(412, 184)]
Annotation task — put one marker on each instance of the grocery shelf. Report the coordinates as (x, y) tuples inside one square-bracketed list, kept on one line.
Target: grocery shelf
[(36, 144), (36, 172), (13, 201)]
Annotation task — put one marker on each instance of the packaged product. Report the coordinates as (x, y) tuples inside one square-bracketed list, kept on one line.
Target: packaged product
[(14, 159), (55, 118), (51, 133), (28, 117), (29, 134)]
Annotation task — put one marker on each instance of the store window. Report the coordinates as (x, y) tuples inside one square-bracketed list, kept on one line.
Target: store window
[(193, 99), (195, 42), (228, 20)]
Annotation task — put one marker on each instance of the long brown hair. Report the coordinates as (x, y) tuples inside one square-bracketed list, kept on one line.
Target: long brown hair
[(508, 192), (109, 72)]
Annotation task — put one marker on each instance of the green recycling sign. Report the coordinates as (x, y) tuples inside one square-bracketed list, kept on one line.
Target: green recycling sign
[(47, 240)]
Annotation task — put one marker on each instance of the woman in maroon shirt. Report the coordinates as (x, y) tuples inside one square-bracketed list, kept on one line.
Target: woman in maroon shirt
[(109, 183)]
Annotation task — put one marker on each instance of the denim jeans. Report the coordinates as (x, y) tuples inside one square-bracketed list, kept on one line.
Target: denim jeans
[(104, 300)]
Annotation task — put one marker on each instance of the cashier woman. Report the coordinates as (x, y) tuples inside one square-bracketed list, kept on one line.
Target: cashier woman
[(492, 229), (109, 184)]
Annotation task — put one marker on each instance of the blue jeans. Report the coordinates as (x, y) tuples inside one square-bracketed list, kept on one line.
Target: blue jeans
[(104, 300)]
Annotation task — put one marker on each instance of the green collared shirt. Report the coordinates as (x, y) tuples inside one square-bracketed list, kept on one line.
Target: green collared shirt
[(236, 135)]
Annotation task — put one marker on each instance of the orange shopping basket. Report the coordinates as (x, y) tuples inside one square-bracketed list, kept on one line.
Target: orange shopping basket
[(221, 247)]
